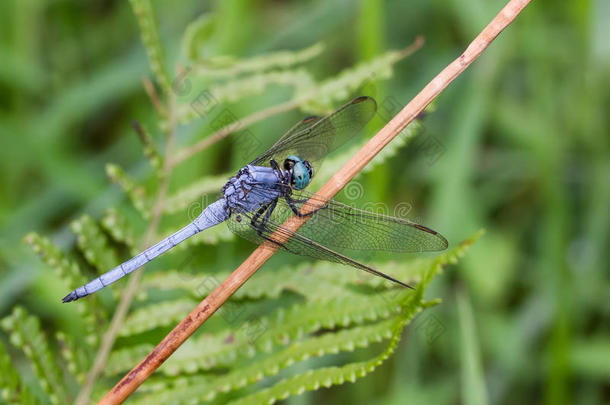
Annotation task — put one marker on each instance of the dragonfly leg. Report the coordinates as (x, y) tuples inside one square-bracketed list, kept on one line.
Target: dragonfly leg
[(291, 203), (257, 216), (260, 227), (301, 201), (268, 213)]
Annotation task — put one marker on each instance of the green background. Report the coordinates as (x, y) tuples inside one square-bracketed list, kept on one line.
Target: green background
[(521, 146)]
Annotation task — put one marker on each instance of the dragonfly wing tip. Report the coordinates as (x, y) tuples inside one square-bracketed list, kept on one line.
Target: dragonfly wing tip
[(403, 284)]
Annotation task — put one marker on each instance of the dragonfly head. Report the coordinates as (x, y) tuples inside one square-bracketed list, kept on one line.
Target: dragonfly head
[(300, 171)]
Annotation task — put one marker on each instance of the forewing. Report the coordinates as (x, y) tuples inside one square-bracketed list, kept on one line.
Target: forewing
[(315, 141), (302, 125), (340, 226), (334, 226), (242, 224)]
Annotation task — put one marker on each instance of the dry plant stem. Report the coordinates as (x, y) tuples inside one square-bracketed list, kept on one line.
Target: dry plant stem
[(217, 297), (261, 115), (131, 289), (418, 43)]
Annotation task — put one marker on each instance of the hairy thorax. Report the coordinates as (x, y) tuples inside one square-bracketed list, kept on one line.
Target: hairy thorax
[(252, 187)]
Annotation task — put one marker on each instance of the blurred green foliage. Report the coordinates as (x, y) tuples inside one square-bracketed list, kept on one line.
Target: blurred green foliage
[(519, 144)]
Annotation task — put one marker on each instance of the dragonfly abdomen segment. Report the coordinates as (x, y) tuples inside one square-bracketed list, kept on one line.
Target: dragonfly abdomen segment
[(214, 214)]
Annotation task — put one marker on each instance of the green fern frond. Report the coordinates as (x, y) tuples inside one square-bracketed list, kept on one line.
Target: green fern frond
[(318, 280), (150, 149), (209, 186), (238, 89), (12, 389), (25, 334), (76, 359), (223, 67), (90, 311), (136, 193), (93, 243), (328, 376), (206, 388), (298, 320), (281, 328), (322, 377), (196, 37), (147, 20), (225, 349), (117, 226), (53, 257), (314, 281), (156, 315), (312, 96), (323, 96), (321, 279), (265, 284), (123, 359), (455, 254)]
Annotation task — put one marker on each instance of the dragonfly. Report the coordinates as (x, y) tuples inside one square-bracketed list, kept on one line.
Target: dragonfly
[(263, 194)]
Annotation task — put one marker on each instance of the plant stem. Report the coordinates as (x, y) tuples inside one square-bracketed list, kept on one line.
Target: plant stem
[(130, 291), (149, 87), (130, 382)]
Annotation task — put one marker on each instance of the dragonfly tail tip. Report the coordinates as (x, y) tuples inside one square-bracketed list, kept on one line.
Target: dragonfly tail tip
[(70, 297)]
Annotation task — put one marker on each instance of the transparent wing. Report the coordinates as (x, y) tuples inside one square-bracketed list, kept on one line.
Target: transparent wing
[(243, 225), (341, 226), (314, 139), (336, 226), (302, 125)]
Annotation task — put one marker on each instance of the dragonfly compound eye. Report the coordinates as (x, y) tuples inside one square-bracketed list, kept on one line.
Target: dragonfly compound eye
[(300, 175)]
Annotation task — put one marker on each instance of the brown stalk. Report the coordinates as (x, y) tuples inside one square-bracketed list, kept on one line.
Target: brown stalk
[(216, 298)]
